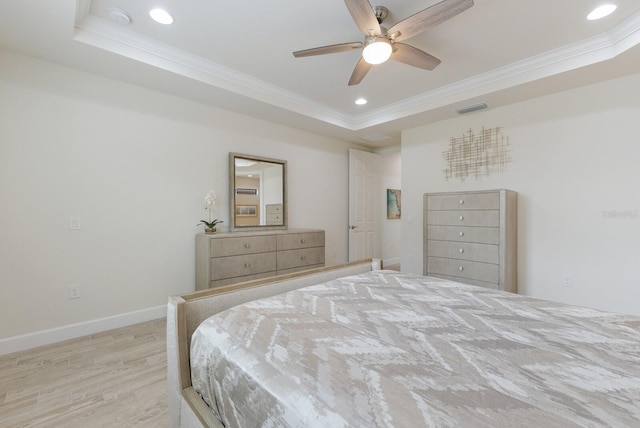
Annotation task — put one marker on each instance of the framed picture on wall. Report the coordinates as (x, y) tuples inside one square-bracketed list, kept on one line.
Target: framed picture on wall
[(393, 204), (246, 210)]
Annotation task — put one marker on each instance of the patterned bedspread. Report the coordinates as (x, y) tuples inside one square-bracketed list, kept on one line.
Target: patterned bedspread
[(385, 349)]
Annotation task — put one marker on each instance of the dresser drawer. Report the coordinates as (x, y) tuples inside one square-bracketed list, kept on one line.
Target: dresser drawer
[(274, 218), (289, 259), (221, 247), (274, 209), (299, 269), (486, 253), (486, 272), (484, 235), (470, 201), (301, 240), (494, 286), (487, 218), (237, 279), (228, 267)]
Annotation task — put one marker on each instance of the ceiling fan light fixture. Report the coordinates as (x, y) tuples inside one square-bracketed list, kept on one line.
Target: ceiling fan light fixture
[(376, 50)]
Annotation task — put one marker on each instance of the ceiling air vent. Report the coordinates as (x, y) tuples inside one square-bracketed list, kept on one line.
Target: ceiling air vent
[(470, 108)]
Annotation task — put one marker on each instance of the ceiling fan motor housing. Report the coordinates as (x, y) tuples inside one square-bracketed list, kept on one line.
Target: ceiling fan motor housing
[(381, 13)]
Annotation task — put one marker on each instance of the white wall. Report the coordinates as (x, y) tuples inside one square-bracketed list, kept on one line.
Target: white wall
[(134, 165), (576, 155), (390, 178)]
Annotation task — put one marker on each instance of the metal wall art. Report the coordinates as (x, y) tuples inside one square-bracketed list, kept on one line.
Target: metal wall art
[(477, 155)]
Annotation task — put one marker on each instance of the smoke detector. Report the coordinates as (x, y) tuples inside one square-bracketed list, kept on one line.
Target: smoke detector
[(119, 16)]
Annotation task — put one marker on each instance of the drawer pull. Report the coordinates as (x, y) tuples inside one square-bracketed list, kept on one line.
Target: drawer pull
[(460, 268), (302, 241), (460, 233), (461, 250), (461, 202), (461, 218), (302, 257), (247, 265), (247, 245)]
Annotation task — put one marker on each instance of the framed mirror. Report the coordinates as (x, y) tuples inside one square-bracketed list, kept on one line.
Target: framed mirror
[(258, 193)]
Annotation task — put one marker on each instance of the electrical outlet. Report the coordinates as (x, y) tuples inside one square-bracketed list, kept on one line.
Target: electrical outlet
[(74, 223), (567, 280), (74, 292)]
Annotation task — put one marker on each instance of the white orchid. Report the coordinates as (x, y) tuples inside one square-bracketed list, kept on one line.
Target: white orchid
[(210, 200), (209, 203)]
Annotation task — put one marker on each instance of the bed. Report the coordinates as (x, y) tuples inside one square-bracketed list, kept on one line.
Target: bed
[(356, 346)]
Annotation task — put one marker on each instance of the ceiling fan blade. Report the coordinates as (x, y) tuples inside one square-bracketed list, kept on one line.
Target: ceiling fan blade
[(363, 15), (413, 56), (361, 70), (429, 17), (323, 50)]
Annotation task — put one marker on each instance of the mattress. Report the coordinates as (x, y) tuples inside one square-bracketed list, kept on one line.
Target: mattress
[(385, 349)]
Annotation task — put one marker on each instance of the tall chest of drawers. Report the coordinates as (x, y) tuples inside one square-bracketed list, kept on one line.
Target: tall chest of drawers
[(228, 258), (470, 237)]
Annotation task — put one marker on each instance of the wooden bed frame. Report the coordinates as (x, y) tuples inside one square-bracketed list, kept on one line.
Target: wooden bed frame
[(186, 312)]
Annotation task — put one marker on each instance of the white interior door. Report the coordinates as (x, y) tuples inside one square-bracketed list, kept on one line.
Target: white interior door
[(364, 205)]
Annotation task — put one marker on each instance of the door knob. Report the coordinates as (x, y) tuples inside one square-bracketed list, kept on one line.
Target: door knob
[(353, 227)]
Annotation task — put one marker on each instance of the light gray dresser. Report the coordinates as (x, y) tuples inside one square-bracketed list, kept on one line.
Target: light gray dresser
[(470, 237), (227, 258)]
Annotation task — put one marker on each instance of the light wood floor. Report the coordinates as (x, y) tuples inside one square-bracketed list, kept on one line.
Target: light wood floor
[(116, 378)]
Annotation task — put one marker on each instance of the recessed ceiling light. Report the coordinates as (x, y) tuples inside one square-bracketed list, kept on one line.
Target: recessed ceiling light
[(161, 16), (361, 101), (601, 11)]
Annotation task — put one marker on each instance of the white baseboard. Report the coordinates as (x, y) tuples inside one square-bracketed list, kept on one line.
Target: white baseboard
[(389, 262), (73, 331)]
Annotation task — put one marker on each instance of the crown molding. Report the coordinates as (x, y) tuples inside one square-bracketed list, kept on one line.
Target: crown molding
[(111, 37), (565, 58)]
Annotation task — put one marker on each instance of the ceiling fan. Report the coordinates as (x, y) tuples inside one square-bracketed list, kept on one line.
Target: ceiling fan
[(381, 44)]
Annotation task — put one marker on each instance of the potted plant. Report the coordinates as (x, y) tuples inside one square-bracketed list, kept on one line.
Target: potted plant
[(209, 203)]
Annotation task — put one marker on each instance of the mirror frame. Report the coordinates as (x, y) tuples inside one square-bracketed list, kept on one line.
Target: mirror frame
[(232, 193)]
